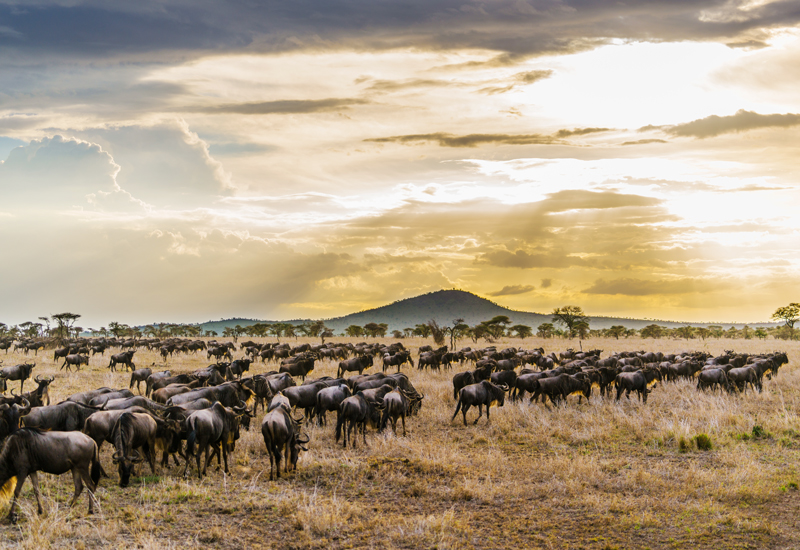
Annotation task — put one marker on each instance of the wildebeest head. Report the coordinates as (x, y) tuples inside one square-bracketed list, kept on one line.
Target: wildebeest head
[(299, 445)]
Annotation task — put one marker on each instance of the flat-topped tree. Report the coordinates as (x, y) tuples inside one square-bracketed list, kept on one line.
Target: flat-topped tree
[(65, 321), (573, 318)]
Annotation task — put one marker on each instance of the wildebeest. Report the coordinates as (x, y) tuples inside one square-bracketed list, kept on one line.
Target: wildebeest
[(396, 404), (329, 399), (67, 416), (356, 412), (743, 376), (216, 428), (463, 379), (304, 397), (123, 358), (281, 436), (41, 395), (355, 364), (639, 381), (75, 360), (133, 431), (237, 368), (299, 365), (479, 394), (139, 376), (558, 388), (157, 377), (17, 372), (103, 398), (528, 382), (711, 378), (100, 426), (397, 360), (27, 452)]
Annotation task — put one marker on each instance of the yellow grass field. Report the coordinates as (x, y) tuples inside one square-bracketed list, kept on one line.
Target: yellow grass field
[(601, 475)]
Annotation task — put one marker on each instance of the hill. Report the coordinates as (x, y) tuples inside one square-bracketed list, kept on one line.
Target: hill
[(444, 306)]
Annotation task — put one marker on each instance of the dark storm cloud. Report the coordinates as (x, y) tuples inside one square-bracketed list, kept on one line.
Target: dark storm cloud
[(444, 139), (742, 121), (94, 28), (511, 290), (281, 107)]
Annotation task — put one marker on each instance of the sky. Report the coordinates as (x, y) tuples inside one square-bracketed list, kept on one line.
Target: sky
[(182, 161)]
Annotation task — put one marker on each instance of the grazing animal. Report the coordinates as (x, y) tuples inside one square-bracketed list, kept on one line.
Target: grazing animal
[(26, 452), (479, 394), (281, 436), (356, 412)]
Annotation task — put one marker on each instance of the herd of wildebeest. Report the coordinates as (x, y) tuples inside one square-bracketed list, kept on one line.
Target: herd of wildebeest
[(198, 415)]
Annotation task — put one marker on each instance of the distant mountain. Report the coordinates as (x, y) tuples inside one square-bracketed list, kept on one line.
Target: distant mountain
[(444, 306)]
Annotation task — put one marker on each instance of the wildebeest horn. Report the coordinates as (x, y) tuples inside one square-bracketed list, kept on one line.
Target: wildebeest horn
[(116, 457), (12, 393), (136, 457), (503, 387), (303, 441), (37, 378), (298, 420), (25, 408)]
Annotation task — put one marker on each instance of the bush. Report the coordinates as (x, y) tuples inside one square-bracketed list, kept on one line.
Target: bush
[(683, 445), (759, 432), (703, 442)]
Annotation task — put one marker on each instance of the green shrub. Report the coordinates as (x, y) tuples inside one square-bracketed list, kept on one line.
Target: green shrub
[(684, 445), (703, 442)]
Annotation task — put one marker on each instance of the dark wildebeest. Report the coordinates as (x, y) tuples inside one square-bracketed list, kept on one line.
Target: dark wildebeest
[(67, 416), (85, 397), (104, 398), (139, 376), (743, 376), (639, 381), (75, 360), (279, 400), (397, 360), (216, 428), (397, 404), (355, 364), (528, 382), (709, 378), (124, 358), (60, 353), (329, 399), (41, 395), (162, 395), (356, 412), (17, 372), (299, 365), (304, 397), (237, 368), (100, 426), (156, 377), (133, 431), (558, 388), (479, 394), (27, 452), (281, 436)]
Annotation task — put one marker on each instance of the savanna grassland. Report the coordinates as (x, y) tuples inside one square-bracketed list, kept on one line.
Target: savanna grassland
[(598, 475)]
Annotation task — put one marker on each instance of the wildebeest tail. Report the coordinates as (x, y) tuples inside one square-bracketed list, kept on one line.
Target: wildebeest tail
[(339, 423), (190, 439), (458, 407), (97, 470)]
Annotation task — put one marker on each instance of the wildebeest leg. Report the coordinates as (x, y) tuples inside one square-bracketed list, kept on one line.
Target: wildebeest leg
[(480, 413), (225, 457), (487, 413), (150, 451), (464, 410), (286, 450), (78, 481), (364, 431), (403, 418), (20, 482), (35, 483)]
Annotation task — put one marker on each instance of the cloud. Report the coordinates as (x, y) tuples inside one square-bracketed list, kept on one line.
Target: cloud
[(742, 121), (61, 173), (525, 260), (524, 79), (281, 107), (474, 140), (510, 290), (644, 142), (643, 287), (547, 283)]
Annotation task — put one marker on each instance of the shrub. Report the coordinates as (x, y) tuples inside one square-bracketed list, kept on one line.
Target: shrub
[(703, 442)]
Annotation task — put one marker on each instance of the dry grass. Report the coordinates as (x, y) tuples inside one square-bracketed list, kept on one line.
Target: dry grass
[(598, 475)]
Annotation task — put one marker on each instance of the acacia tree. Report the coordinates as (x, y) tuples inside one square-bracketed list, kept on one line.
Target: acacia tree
[(65, 321), (354, 331), (616, 331), (522, 331), (573, 318), (789, 315), (545, 330)]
